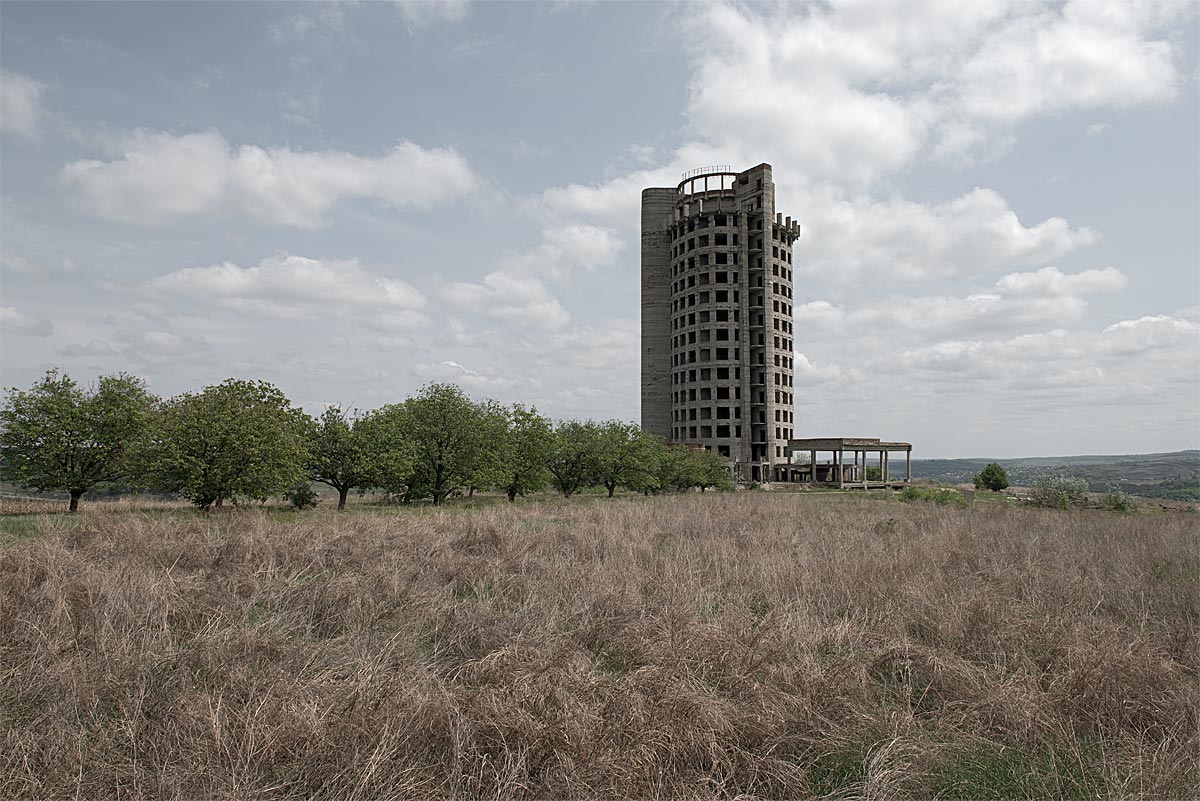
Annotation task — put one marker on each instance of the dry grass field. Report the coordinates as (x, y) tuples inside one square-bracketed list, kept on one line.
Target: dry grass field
[(704, 646)]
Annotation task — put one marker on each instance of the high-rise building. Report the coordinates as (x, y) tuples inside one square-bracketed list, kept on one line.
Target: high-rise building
[(717, 317)]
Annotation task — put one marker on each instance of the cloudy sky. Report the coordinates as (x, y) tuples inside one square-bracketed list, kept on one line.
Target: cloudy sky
[(1000, 201)]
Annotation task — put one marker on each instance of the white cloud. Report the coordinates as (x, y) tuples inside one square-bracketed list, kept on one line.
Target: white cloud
[(843, 95), (897, 240), (810, 373), (454, 372), (163, 348), (1050, 281), (1128, 352), (93, 349), (565, 247), (321, 24), (862, 88), (162, 177), (1153, 332), (1086, 55), (15, 321), (423, 13), (294, 287), (1017, 301), (21, 112), (514, 298)]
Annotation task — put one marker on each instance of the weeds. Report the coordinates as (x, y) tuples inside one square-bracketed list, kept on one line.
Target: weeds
[(767, 645), (942, 496)]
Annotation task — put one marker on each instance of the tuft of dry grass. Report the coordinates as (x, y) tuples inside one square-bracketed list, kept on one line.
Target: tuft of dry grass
[(726, 646)]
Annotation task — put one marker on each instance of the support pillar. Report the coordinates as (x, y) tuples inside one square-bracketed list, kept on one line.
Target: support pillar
[(908, 465)]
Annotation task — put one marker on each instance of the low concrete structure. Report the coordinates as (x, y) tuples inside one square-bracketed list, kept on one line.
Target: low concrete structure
[(838, 471)]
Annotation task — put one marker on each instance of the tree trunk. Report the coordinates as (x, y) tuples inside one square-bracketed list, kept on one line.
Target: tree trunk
[(612, 487), (512, 495), (75, 495), (342, 493), (471, 492)]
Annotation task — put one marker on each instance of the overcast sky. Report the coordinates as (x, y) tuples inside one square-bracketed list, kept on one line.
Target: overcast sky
[(1000, 200)]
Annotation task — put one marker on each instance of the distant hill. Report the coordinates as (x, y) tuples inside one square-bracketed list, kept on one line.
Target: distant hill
[(1155, 475)]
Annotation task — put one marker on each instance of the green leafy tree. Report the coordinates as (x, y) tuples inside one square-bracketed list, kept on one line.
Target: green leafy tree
[(573, 458), (624, 455), (339, 455), (648, 480), (525, 447), (992, 477), (452, 441), (679, 469), (491, 470), (711, 471), (57, 436), (238, 438), (384, 435)]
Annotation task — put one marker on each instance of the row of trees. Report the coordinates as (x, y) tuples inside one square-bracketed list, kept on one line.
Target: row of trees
[(244, 440)]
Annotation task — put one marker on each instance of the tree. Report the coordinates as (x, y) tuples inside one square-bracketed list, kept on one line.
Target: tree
[(57, 436), (1060, 492), (452, 441), (711, 471), (992, 477), (648, 479), (491, 469), (238, 438), (388, 450), (623, 454), (525, 447), (572, 462), (678, 470), (339, 455)]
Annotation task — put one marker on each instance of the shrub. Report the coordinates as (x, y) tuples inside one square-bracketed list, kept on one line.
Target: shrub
[(992, 477), (302, 496), (1059, 492), (942, 496), (1116, 501)]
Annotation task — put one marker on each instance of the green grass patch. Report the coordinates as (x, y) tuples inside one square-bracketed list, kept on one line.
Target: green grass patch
[(1012, 772), (942, 496), (837, 771), (14, 528)]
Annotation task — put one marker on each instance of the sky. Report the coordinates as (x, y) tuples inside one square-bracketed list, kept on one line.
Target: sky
[(999, 200)]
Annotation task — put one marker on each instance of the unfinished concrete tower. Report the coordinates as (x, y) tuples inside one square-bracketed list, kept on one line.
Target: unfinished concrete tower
[(717, 317)]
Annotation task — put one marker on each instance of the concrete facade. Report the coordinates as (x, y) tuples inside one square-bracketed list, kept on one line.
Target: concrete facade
[(717, 334)]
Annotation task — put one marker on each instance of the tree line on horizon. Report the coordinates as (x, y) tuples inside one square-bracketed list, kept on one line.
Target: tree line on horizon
[(244, 440)]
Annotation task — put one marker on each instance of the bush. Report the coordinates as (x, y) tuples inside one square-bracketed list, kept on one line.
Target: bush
[(1116, 501), (942, 496), (302, 496), (992, 477), (1059, 492)]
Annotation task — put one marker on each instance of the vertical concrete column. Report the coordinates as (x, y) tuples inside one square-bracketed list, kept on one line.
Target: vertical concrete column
[(908, 465), (658, 207)]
